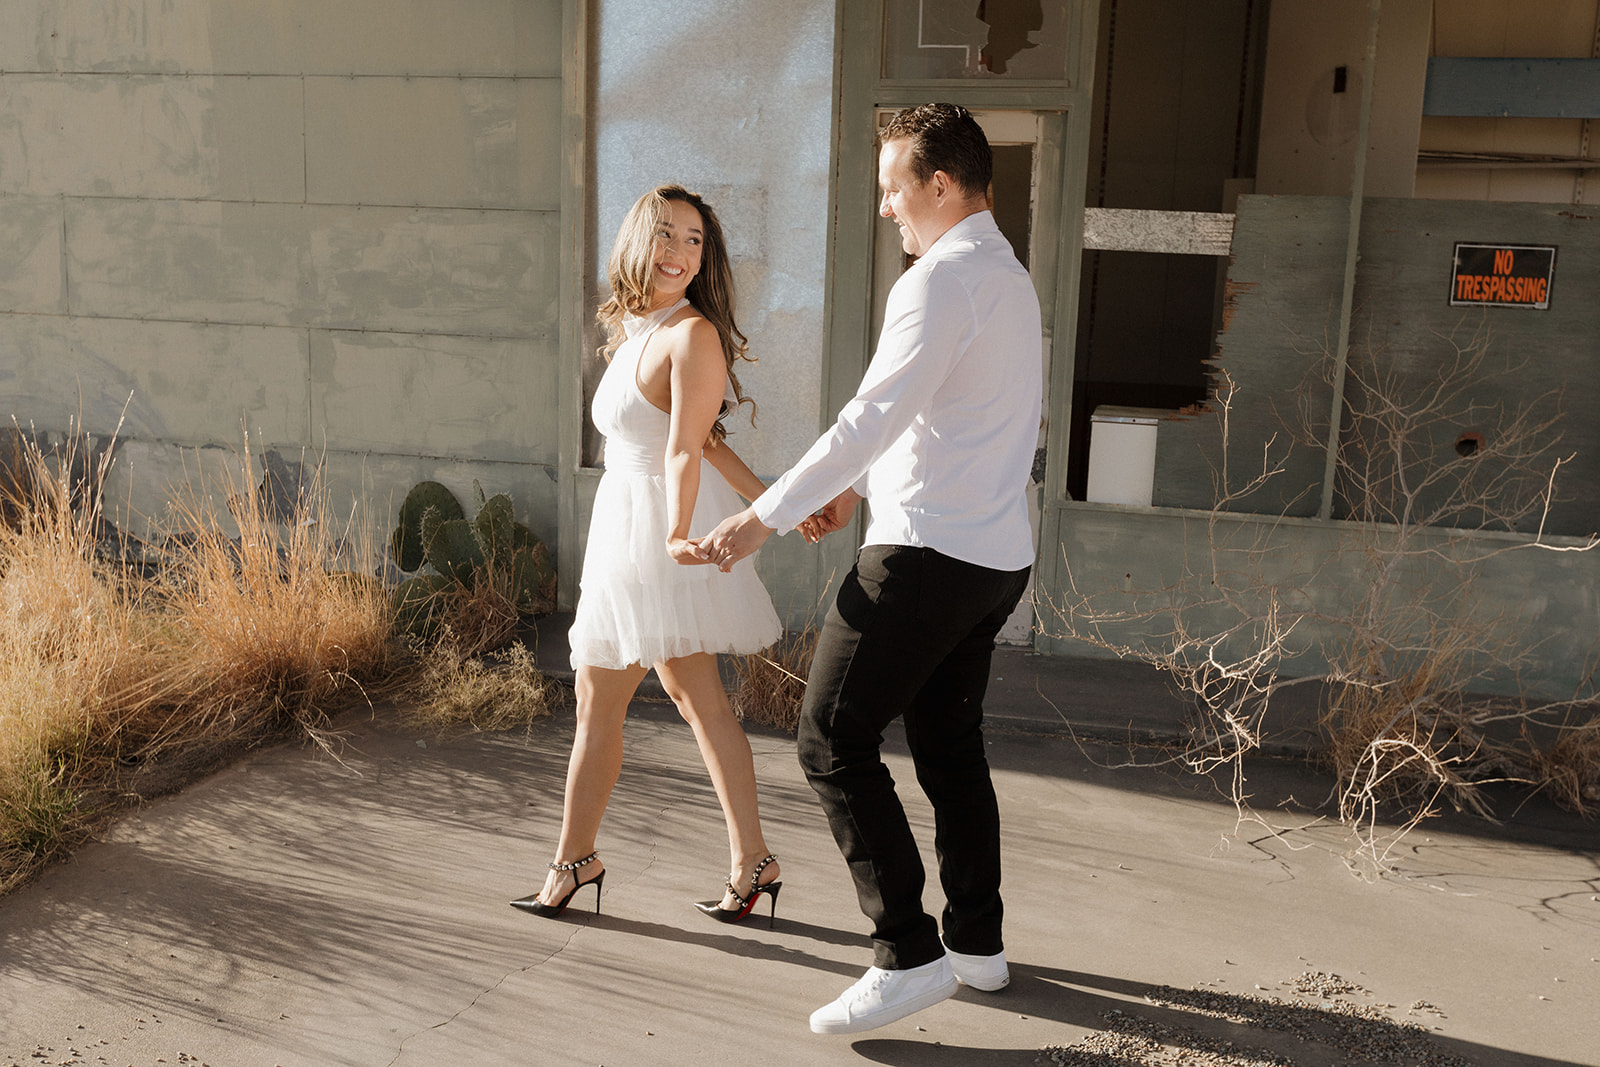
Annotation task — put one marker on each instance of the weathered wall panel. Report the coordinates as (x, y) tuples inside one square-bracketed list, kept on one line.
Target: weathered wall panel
[(1280, 315), (456, 396), (1310, 114), (483, 273), (442, 142), (202, 260), (151, 137), (1123, 558), (31, 255), (509, 38), (395, 269), (418, 37), (181, 382), (1284, 287)]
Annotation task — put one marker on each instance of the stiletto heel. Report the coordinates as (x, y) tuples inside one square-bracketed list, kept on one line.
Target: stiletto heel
[(746, 903), (550, 911)]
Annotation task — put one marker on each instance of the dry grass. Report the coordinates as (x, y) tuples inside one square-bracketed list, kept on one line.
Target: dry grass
[(267, 636), (101, 670), (499, 691), (770, 685)]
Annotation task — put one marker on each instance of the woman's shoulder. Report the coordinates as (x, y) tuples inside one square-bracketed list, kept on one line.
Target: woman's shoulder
[(689, 328)]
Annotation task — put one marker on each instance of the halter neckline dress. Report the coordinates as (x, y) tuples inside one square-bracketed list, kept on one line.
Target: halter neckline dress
[(635, 604)]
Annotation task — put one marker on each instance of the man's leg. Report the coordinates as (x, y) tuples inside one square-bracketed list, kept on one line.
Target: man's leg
[(899, 615), (944, 729), (872, 656)]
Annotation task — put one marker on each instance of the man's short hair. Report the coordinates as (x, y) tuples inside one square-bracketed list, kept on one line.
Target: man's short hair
[(943, 137)]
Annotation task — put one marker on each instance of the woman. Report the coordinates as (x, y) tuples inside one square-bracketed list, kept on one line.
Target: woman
[(646, 597)]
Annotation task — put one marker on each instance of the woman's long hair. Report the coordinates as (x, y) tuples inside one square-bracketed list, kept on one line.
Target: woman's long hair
[(631, 272)]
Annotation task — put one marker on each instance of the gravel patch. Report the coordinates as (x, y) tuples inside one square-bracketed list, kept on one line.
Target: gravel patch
[(1331, 1021)]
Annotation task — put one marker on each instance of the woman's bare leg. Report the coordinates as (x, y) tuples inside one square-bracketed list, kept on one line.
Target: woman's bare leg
[(696, 688), (603, 697)]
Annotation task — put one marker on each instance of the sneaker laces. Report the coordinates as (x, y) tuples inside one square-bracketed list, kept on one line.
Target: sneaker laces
[(875, 978)]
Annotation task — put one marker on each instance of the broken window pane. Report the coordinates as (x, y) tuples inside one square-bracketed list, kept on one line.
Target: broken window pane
[(1013, 39)]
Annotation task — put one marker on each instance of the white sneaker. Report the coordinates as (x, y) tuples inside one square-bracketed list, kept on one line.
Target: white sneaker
[(880, 997), (987, 973)]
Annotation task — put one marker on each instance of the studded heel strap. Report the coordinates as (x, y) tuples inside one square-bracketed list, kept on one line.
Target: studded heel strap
[(755, 881), (590, 858)]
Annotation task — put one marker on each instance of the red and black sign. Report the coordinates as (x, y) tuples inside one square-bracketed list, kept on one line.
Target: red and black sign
[(1507, 276)]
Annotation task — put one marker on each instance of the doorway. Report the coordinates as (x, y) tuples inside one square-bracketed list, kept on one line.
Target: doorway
[(1173, 127)]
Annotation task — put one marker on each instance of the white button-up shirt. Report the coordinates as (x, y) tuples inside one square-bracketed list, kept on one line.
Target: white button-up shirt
[(940, 436)]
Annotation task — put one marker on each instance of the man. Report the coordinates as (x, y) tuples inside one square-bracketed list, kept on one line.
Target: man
[(939, 439)]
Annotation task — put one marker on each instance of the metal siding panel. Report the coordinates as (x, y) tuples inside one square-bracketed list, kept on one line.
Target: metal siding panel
[(1521, 88)]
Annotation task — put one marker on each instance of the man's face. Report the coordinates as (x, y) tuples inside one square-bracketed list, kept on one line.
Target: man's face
[(910, 203)]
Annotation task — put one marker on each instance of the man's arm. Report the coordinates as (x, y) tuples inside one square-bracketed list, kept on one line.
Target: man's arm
[(926, 322), (739, 535)]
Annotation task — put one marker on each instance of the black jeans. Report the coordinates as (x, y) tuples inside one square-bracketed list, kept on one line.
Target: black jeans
[(911, 634)]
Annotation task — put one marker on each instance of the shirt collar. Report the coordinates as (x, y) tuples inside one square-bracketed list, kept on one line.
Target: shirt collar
[(974, 223)]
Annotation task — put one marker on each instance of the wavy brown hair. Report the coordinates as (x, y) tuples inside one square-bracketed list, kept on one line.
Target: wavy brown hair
[(631, 272)]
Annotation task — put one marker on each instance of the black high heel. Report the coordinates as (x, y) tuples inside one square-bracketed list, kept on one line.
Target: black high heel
[(746, 903), (550, 911)]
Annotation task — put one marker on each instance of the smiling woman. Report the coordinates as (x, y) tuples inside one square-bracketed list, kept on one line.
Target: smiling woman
[(647, 597)]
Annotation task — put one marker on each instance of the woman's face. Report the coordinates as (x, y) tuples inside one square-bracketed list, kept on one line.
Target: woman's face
[(678, 248)]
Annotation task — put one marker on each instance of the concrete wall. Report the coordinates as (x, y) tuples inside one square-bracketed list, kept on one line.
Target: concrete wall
[(746, 126), (332, 226), (733, 99), (1141, 567)]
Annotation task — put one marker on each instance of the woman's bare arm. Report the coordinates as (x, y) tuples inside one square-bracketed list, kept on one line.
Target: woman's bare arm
[(698, 378)]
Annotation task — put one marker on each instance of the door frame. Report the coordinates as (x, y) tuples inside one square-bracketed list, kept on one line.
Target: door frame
[(1061, 163)]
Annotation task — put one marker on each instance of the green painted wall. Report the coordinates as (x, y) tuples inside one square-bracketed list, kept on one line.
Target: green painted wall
[(333, 226)]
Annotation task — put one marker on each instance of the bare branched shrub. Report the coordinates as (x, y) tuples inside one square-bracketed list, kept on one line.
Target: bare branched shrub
[(498, 691), (1378, 612)]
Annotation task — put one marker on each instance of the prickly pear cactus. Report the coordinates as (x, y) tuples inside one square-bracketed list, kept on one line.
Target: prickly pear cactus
[(435, 533), (408, 543)]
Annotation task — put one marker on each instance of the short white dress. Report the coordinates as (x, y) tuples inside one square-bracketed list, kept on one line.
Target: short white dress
[(635, 604)]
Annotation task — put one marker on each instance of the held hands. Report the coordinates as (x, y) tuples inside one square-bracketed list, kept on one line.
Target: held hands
[(735, 537), (685, 552)]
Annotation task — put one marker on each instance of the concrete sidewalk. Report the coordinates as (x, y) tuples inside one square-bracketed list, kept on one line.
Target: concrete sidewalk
[(1102, 699), (298, 910)]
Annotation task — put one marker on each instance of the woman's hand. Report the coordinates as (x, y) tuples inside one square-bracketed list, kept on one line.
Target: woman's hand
[(685, 551)]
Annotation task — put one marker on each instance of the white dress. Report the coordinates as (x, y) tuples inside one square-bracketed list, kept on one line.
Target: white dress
[(635, 604)]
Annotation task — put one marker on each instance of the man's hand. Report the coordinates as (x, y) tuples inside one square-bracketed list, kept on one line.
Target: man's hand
[(735, 537), (836, 513)]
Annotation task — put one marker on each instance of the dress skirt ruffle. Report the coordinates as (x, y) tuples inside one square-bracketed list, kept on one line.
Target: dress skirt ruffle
[(637, 606)]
